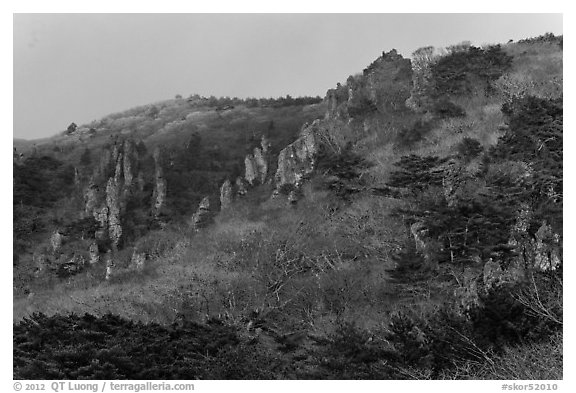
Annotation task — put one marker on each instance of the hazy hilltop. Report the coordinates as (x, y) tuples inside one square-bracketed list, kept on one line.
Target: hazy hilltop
[(406, 226)]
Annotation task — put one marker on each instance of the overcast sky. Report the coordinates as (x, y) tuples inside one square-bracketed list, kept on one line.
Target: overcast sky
[(81, 67)]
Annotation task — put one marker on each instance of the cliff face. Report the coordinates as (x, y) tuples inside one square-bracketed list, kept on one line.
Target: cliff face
[(159, 197), (298, 159), (113, 204)]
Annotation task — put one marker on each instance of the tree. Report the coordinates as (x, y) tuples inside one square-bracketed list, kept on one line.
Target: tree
[(417, 173), (71, 128)]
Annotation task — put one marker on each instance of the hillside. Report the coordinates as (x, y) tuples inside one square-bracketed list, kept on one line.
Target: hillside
[(409, 226)]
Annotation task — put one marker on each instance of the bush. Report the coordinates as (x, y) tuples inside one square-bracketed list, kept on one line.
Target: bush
[(469, 148), (456, 73), (408, 137), (342, 171), (109, 347), (445, 109)]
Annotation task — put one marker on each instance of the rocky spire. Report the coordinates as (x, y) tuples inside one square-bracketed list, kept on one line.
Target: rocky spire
[(203, 216), (256, 164), (109, 265), (94, 253), (113, 203), (226, 195), (160, 183), (251, 169)]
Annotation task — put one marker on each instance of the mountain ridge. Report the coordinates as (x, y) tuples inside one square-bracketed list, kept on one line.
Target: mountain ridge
[(400, 207)]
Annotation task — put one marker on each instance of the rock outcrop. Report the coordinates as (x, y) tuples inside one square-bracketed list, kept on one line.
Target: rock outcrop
[(261, 164), (297, 160), (159, 197), (138, 260), (388, 80), (113, 204), (419, 233), (203, 216), (547, 248), (128, 164), (91, 199), (250, 169), (241, 187), (101, 217), (334, 100), (109, 266), (256, 164), (492, 274), (541, 251), (56, 241), (94, 254), (226, 195)]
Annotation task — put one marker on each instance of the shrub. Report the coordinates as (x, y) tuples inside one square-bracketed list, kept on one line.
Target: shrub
[(407, 137), (110, 347), (455, 74), (469, 148), (445, 109), (342, 170)]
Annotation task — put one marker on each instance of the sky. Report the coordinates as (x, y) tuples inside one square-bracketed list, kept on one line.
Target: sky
[(82, 67)]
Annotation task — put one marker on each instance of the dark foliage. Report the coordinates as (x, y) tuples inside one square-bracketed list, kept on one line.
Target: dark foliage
[(342, 171), (223, 103), (417, 173), (83, 228), (40, 181), (410, 266), (469, 149), (444, 109), (474, 227), (545, 38), (407, 137), (443, 337), (457, 73), (352, 353), (109, 347), (535, 136)]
